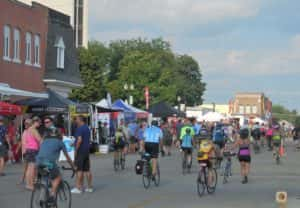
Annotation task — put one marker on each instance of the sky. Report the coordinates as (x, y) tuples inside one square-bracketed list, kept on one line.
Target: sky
[(240, 45)]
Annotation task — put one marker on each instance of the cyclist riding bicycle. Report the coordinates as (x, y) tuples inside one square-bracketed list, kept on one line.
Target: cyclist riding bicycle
[(48, 156), (187, 147), (187, 125), (256, 132), (276, 139), (153, 141), (206, 152), (219, 139), (119, 142)]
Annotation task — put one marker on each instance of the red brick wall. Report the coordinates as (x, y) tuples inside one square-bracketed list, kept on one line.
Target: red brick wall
[(27, 19)]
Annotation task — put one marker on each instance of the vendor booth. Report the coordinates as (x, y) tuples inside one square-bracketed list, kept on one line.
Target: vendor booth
[(131, 113), (164, 110)]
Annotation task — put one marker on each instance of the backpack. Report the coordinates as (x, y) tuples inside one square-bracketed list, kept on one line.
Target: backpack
[(256, 133), (219, 135), (139, 167)]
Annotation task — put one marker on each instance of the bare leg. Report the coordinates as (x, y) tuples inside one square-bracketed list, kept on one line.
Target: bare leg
[(154, 166), (30, 175), (2, 164), (79, 180), (55, 184), (89, 178)]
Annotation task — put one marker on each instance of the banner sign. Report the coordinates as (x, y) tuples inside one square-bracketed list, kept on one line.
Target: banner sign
[(147, 97)]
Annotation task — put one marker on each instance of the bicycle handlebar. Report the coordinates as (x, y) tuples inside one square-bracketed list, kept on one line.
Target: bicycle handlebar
[(71, 169)]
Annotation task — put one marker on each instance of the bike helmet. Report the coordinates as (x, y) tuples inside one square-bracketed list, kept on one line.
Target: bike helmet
[(188, 131), (204, 134)]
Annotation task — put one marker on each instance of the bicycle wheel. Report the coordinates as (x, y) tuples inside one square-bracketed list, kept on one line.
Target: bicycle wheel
[(184, 164), (116, 162), (201, 183), (39, 196), (122, 160), (146, 176), (157, 177), (211, 188), (226, 174), (63, 196)]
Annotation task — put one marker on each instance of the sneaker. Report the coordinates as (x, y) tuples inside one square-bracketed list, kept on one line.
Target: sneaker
[(89, 190), (76, 191)]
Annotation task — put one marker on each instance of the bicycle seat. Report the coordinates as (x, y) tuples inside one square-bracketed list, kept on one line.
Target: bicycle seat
[(43, 170)]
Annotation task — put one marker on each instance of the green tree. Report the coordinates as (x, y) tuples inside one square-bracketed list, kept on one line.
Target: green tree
[(189, 80), (281, 113), (94, 67)]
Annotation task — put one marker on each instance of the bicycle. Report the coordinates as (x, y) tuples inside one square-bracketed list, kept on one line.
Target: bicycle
[(119, 160), (227, 168), (186, 168), (40, 195), (202, 180), (277, 154), (256, 146), (147, 172)]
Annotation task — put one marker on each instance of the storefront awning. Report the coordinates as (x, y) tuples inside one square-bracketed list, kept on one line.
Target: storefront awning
[(5, 89)]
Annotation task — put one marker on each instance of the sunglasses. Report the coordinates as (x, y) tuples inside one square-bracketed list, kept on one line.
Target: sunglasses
[(47, 122)]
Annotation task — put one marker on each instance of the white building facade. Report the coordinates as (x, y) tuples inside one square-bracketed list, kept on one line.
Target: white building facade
[(78, 12)]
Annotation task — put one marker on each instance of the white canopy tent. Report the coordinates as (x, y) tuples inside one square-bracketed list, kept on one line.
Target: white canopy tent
[(5, 89), (213, 117)]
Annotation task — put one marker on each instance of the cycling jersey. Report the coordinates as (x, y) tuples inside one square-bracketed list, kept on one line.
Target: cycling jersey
[(153, 134), (204, 150), (187, 141), (183, 131)]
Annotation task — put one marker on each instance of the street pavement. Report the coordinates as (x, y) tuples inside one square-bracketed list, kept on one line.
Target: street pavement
[(125, 189)]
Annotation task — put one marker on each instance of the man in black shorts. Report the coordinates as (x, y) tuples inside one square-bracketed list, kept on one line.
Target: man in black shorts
[(82, 156)]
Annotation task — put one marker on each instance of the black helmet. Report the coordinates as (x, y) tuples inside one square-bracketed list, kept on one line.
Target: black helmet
[(188, 131), (244, 133)]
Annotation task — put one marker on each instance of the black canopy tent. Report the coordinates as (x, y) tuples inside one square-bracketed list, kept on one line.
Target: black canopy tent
[(164, 110), (55, 103)]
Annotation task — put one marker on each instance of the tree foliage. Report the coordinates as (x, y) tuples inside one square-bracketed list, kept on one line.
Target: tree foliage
[(281, 113), (142, 63)]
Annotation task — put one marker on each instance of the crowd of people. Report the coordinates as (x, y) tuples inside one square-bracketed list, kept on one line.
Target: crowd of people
[(40, 144)]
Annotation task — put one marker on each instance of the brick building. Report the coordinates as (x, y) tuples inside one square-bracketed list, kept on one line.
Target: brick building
[(37, 48), (250, 105), (23, 45)]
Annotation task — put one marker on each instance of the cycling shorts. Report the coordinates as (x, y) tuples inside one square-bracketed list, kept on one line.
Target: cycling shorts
[(152, 149), (187, 150)]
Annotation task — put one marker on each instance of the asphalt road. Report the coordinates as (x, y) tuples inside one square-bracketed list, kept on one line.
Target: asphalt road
[(125, 190)]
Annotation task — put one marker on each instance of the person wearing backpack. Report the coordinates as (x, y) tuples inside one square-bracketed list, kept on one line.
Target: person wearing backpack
[(219, 140), (167, 139)]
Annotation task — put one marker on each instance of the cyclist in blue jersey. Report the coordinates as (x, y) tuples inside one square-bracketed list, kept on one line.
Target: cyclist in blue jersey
[(187, 147), (153, 141)]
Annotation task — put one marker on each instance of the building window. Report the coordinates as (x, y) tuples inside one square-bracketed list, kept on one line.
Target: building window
[(254, 109), (28, 48), (241, 109), (248, 109), (60, 56), (37, 50), (6, 45), (17, 46)]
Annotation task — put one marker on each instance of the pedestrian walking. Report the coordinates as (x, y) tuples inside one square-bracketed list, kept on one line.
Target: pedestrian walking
[(4, 142), (27, 125), (244, 153), (32, 140), (82, 157), (167, 138), (269, 136)]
